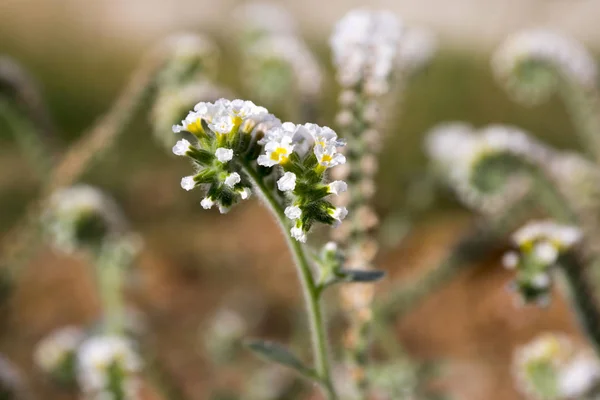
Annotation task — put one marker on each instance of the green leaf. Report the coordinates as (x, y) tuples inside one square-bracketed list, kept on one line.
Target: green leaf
[(358, 275), (277, 353)]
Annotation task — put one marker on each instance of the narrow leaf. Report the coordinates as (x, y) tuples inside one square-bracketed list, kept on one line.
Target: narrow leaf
[(357, 275), (275, 352)]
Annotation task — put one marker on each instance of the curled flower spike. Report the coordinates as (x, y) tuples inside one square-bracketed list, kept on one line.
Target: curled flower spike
[(531, 63), (553, 367), (490, 170), (108, 367), (539, 245), (82, 217), (56, 354), (364, 47), (238, 143)]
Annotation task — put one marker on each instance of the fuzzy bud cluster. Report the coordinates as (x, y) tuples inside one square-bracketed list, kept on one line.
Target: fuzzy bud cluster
[(539, 245), (531, 62), (552, 366), (82, 217), (56, 354), (237, 138), (364, 46), (108, 367)]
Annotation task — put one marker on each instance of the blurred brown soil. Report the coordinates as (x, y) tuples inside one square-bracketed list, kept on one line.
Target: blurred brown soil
[(194, 261)]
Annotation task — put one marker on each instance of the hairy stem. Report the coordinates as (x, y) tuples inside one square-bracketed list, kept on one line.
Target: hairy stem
[(309, 288), (583, 296)]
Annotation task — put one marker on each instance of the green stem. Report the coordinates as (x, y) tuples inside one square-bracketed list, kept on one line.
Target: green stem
[(109, 275), (309, 288)]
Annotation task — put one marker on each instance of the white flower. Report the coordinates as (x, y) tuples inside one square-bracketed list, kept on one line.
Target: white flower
[(510, 260), (187, 183), (337, 187), (223, 209), (181, 147), (579, 376), (541, 281), (287, 182), (232, 179), (53, 350), (223, 154), (545, 252), (278, 147), (339, 213), (559, 236), (98, 355), (326, 144), (298, 234), (222, 125), (245, 193), (207, 203), (364, 45), (293, 212)]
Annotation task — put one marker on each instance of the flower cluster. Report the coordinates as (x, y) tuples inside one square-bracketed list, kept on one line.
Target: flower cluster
[(524, 60), (108, 368), (222, 129), (236, 139), (305, 152), (553, 367), (364, 47), (56, 354), (461, 156), (82, 217), (539, 245)]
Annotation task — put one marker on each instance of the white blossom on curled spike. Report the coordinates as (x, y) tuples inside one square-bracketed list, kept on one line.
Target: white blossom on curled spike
[(554, 366), (56, 353), (98, 359), (82, 216), (364, 45), (549, 49), (287, 182)]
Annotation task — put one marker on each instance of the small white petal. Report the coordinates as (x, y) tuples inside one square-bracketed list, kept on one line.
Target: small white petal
[(540, 281), (287, 182), (339, 213), (546, 252), (224, 155), (207, 203), (181, 147), (298, 234), (188, 183), (337, 187), (232, 179), (245, 193), (510, 260), (293, 212), (223, 209)]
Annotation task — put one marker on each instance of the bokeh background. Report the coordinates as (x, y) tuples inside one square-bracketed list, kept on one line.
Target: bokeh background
[(81, 53)]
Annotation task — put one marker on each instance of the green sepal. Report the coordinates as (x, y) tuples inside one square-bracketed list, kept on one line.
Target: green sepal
[(279, 354), (201, 156), (227, 197), (205, 176)]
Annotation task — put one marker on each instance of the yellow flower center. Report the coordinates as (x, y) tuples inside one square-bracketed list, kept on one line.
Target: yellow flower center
[(196, 126), (326, 158), (280, 155)]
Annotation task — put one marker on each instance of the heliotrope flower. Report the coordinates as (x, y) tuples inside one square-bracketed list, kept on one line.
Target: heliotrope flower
[(56, 353), (108, 367), (251, 145), (539, 245)]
